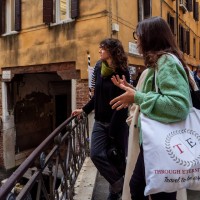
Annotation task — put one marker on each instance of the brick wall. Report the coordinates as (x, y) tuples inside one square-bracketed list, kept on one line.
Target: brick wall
[(82, 93)]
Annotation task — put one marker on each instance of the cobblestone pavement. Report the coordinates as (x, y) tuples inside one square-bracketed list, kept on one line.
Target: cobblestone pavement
[(101, 190)]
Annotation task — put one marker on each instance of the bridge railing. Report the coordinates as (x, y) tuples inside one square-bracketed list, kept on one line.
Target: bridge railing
[(51, 170)]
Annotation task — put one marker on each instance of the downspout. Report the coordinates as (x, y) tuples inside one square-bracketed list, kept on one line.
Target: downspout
[(110, 18), (177, 31), (117, 13)]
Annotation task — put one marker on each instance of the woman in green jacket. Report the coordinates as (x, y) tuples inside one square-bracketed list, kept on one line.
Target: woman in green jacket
[(156, 43)]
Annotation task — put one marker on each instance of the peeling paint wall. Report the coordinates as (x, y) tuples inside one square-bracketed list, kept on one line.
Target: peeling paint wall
[(33, 120), (35, 105)]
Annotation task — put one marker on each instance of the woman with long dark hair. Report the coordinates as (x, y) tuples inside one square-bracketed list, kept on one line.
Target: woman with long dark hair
[(171, 103), (110, 131)]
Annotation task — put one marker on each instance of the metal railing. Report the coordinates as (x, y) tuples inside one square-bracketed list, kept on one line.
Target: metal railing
[(51, 170)]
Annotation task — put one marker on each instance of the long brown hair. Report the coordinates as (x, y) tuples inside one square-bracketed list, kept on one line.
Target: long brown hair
[(156, 39), (116, 50)]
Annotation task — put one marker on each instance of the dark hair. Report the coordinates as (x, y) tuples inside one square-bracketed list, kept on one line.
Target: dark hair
[(116, 50), (156, 39)]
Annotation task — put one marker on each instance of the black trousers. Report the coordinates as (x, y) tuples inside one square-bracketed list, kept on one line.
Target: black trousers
[(137, 183), (99, 144)]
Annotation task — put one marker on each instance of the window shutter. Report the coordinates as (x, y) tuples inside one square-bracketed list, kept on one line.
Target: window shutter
[(181, 37), (147, 9), (140, 11), (47, 11), (196, 11), (2, 17), (168, 18), (179, 34), (189, 5), (171, 22), (194, 47), (188, 42), (17, 15), (74, 9), (184, 41)]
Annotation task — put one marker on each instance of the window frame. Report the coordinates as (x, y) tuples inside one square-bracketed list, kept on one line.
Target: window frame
[(57, 16), (51, 16), (9, 16), (144, 9), (171, 22), (10, 13)]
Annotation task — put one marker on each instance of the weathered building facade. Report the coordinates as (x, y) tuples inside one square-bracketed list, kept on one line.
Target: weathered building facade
[(44, 48)]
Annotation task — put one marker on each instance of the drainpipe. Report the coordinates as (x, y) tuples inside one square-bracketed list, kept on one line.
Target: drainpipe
[(177, 31), (110, 17), (117, 13)]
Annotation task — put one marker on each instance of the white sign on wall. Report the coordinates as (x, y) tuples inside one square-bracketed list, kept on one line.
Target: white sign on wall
[(6, 74), (132, 49)]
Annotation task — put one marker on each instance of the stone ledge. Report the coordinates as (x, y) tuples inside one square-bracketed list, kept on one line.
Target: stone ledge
[(85, 182)]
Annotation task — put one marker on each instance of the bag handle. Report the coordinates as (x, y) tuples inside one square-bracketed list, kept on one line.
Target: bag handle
[(156, 87)]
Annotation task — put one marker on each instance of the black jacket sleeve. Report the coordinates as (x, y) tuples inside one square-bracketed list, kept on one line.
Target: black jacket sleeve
[(118, 120)]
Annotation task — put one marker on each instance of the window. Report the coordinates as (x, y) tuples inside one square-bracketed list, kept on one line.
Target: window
[(10, 13), (184, 39), (181, 37), (61, 10), (58, 11), (171, 22), (196, 10), (189, 5), (199, 50), (9, 16), (188, 42), (144, 9), (194, 47), (183, 5)]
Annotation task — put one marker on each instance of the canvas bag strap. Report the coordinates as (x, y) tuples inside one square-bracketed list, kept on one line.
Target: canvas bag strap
[(155, 76)]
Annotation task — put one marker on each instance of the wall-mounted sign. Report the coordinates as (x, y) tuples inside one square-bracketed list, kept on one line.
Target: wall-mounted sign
[(132, 49), (132, 70), (6, 74)]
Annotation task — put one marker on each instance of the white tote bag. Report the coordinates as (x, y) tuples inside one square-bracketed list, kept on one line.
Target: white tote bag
[(171, 154)]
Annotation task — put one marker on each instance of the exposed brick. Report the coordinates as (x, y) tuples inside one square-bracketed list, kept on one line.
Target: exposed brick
[(82, 93)]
